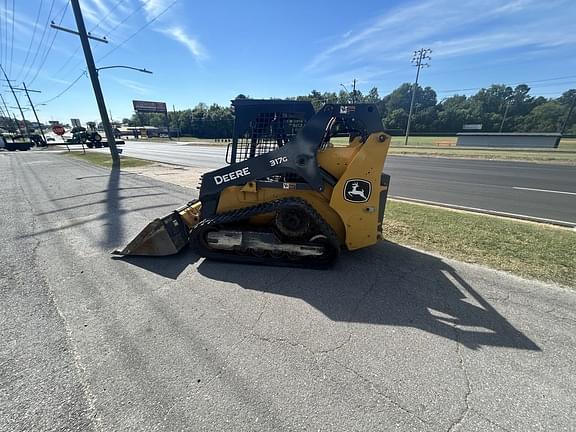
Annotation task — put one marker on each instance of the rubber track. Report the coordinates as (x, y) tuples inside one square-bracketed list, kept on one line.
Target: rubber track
[(243, 214)]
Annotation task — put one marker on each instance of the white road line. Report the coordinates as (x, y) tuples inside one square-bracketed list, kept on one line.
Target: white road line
[(491, 212), (544, 190)]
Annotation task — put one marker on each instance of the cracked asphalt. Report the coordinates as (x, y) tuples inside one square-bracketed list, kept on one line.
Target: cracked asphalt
[(390, 339)]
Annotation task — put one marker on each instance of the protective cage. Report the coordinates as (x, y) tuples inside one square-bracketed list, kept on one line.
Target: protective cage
[(262, 126)]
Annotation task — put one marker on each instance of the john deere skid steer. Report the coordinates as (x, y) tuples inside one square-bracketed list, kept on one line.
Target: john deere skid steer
[(294, 193)]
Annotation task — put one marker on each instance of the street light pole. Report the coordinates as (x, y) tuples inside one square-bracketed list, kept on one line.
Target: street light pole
[(419, 56), (144, 70), (95, 82)]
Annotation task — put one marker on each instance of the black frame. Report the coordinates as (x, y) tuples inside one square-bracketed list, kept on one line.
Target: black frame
[(297, 157)]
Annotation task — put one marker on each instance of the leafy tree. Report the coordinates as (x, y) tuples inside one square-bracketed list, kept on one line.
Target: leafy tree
[(524, 113), (545, 118), (396, 119)]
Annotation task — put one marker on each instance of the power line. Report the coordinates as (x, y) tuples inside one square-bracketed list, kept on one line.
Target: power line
[(134, 12), (517, 83), (1, 40), (45, 57), (12, 42), (6, 32), (41, 40), (110, 12), (107, 35), (119, 45), (33, 37), (139, 30), (66, 89)]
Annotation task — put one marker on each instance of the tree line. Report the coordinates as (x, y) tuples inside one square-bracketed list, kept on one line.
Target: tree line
[(511, 109)]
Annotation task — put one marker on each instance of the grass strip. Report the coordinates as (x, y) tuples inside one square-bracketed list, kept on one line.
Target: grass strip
[(104, 160), (518, 155), (529, 250)]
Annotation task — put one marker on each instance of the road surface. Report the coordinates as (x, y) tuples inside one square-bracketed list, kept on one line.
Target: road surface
[(390, 339), (526, 189)]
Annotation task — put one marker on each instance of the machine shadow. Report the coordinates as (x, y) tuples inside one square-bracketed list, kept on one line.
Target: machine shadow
[(168, 266), (387, 285)]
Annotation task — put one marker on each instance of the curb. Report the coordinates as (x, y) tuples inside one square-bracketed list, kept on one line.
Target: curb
[(564, 224)]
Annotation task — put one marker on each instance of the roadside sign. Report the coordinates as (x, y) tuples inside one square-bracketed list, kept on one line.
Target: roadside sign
[(58, 130), (75, 122), (149, 106), (472, 127)]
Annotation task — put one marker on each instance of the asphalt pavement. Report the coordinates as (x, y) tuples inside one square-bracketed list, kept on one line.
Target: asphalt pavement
[(525, 189), (390, 339)]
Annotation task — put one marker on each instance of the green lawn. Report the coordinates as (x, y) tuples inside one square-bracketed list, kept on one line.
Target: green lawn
[(527, 249), (105, 160), (438, 146), (552, 156)]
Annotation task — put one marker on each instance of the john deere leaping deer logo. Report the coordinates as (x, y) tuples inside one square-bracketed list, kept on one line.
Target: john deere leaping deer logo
[(357, 190)]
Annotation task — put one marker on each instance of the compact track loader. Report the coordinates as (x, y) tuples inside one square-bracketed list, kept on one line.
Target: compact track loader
[(289, 195)]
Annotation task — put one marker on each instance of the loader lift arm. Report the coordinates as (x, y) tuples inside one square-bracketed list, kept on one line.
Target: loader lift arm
[(298, 157)]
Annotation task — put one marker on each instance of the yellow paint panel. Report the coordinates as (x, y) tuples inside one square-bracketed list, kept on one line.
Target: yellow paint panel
[(361, 219), (356, 224)]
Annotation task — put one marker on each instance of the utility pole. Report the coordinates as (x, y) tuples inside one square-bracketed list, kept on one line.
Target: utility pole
[(84, 39), (27, 91), (17, 123), (567, 118), (418, 58), (8, 112), (176, 120), (17, 101), (505, 115)]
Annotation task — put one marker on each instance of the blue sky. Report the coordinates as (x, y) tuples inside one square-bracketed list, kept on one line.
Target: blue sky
[(210, 51)]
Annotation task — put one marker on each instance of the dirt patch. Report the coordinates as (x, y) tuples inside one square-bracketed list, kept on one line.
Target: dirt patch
[(179, 175)]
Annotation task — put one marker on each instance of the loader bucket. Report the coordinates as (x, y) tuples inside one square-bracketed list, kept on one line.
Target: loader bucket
[(161, 237)]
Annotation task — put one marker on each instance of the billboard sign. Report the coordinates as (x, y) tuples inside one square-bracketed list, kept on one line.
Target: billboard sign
[(149, 106)]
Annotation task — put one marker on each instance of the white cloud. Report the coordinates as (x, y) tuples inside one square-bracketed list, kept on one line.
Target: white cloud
[(451, 29), (193, 45), (101, 6), (135, 86), (153, 8), (57, 80)]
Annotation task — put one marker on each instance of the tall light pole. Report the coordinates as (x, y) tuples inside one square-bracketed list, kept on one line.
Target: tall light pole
[(567, 118), (418, 59), (508, 103), (353, 90)]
